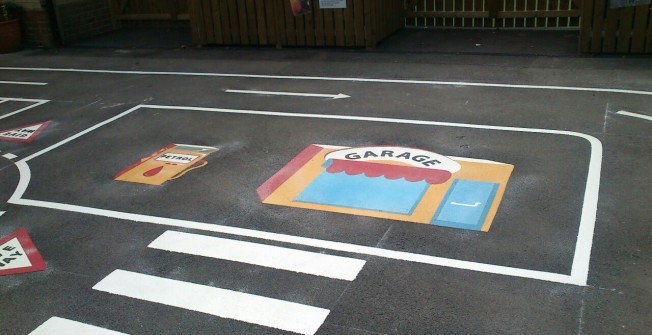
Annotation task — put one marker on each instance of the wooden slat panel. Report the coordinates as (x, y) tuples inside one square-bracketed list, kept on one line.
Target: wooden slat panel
[(208, 22), (370, 43), (309, 20), (610, 28), (598, 25), (349, 24), (217, 21), (270, 21), (261, 22), (279, 10), (339, 27), (290, 31), (368, 25), (242, 21), (300, 26), (250, 17), (648, 42), (640, 26), (226, 24), (625, 30), (358, 17), (586, 25), (234, 21), (196, 22), (329, 27), (320, 37)]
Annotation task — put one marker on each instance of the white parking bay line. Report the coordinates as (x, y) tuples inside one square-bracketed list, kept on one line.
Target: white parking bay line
[(56, 325), (22, 83), (260, 254), (637, 115), (268, 312)]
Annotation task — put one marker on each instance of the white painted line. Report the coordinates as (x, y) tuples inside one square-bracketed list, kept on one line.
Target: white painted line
[(260, 254), (22, 83), (640, 116), (314, 95), (346, 79), (60, 326), (268, 312), (9, 156), (3, 101), (71, 138), (37, 102), (579, 270), (2, 213)]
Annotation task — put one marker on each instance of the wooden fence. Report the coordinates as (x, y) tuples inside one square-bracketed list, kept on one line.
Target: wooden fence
[(270, 22), (615, 30), (557, 14), (365, 22)]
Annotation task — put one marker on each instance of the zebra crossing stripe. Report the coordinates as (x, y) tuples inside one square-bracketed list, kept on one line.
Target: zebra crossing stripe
[(56, 325), (263, 311), (260, 254)]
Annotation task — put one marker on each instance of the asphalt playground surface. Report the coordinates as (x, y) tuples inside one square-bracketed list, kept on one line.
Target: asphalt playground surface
[(569, 251)]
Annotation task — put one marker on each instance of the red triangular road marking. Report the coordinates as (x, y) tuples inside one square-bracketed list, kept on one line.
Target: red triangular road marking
[(19, 255), (24, 134)]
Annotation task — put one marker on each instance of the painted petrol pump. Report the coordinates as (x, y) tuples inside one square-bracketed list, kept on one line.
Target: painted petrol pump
[(169, 163), (397, 183)]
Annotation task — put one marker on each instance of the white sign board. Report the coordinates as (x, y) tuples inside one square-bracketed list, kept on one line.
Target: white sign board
[(326, 4)]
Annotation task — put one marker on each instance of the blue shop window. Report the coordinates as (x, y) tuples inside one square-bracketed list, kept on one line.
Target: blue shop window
[(361, 192)]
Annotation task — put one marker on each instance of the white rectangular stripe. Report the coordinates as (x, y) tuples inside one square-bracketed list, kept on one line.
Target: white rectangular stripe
[(60, 326), (260, 254), (268, 312)]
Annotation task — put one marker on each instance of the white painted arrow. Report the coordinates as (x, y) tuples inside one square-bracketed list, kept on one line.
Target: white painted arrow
[(314, 95)]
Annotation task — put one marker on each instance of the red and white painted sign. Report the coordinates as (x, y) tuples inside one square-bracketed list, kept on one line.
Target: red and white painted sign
[(19, 255), (24, 134)]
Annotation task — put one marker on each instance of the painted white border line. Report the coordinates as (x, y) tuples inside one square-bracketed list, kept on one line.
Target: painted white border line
[(37, 102), (268, 312), (349, 79), (313, 263), (56, 325), (580, 266), (22, 83), (636, 115), (294, 94)]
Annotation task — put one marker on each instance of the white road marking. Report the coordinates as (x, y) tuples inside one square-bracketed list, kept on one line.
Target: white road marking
[(346, 79), (268, 312), (37, 102), (9, 156), (636, 115), (2, 213), (3, 101), (60, 326), (260, 254), (580, 266), (314, 95), (22, 83)]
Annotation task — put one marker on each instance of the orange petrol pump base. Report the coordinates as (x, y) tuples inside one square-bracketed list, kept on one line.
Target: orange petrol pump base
[(169, 163)]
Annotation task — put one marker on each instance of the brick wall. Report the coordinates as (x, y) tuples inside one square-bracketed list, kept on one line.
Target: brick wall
[(35, 24), (83, 18), (37, 29), (77, 19)]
